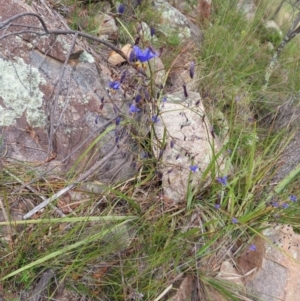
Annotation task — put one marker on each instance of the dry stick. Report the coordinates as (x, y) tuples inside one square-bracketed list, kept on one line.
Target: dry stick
[(56, 32), (81, 178), (33, 190), (9, 20), (56, 95), (80, 34)]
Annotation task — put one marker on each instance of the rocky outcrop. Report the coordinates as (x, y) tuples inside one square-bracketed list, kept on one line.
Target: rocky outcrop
[(55, 100)]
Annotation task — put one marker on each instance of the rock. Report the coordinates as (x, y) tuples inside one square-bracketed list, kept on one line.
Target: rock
[(116, 59), (184, 141), (145, 32), (158, 70), (204, 8), (182, 6), (178, 23), (248, 8), (229, 272), (180, 72), (50, 112), (107, 26), (185, 289), (272, 25), (278, 272)]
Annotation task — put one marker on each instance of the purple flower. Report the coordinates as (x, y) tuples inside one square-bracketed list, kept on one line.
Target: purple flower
[(217, 206), (186, 95), (138, 98), (293, 198), (234, 220), (192, 69), (285, 205), (144, 55), (275, 204), (132, 56), (172, 143), (252, 247), (115, 85), (118, 120), (194, 168), (133, 109), (222, 180), (121, 8), (164, 99), (152, 31), (155, 118)]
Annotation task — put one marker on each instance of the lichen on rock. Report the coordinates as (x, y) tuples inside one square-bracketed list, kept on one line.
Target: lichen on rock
[(20, 93)]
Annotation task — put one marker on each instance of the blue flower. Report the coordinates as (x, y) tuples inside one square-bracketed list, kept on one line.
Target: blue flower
[(118, 120), (252, 247), (217, 206), (152, 31), (194, 168), (155, 118), (138, 98), (285, 205), (133, 109), (222, 180), (164, 99), (121, 8), (115, 85), (234, 220), (144, 55), (293, 198), (275, 204)]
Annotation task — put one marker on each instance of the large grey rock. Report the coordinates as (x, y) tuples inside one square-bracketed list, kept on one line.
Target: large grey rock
[(275, 265), (184, 139), (38, 92)]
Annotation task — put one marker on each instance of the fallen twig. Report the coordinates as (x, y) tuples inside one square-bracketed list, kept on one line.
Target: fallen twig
[(34, 191), (81, 178)]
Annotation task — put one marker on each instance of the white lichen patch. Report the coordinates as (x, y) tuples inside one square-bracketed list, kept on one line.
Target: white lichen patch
[(86, 57), (65, 45), (19, 90)]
